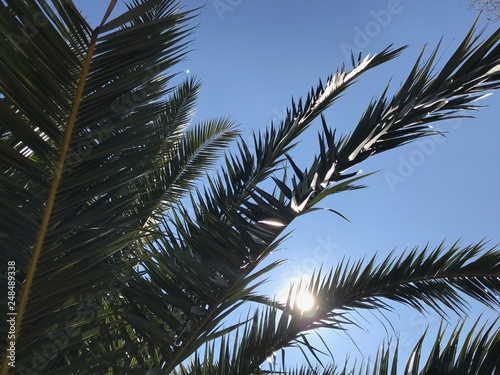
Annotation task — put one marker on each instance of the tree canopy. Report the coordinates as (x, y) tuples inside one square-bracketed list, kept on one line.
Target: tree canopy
[(118, 262)]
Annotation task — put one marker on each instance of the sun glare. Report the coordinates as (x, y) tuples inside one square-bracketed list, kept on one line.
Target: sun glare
[(305, 301)]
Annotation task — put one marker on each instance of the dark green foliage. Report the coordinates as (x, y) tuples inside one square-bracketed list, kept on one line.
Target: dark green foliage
[(126, 265)]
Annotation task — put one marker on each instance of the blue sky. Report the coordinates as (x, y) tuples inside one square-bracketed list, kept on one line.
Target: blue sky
[(253, 55)]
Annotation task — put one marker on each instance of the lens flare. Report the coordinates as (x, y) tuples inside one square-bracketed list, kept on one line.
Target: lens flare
[(304, 300)]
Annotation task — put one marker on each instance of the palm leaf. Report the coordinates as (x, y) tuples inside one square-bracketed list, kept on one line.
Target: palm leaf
[(420, 279), (202, 268), (92, 148), (423, 98), (478, 354), (212, 246)]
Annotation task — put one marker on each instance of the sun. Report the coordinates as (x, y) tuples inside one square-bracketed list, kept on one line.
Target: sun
[(304, 300)]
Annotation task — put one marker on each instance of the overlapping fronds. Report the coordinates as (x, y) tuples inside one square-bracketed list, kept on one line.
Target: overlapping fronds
[(421, 278), (234, 223), (202, 265), (115, 272), (472, 352), (427, 95), (93, 145), (466, 353)]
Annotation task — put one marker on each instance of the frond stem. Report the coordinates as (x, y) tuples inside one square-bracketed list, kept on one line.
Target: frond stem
[(35, 257)]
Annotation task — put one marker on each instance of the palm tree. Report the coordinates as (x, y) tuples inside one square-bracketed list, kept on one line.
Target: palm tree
[(118, 262)]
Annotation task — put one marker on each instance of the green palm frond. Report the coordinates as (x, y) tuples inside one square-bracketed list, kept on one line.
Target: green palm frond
[(94, 143), (425, 97), (235, 223), (202, 265), (478, 355), (436, 279), (463, 353), (97, 149)]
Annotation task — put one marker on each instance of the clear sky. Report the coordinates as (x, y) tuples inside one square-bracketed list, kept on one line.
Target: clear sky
[(253, 55)]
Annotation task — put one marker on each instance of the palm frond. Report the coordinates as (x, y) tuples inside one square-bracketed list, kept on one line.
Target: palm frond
[(425, 97), (91, 148), (212, 247), (477, 356), (92, 157), (466, 353), (203, 263), (436, 279)]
